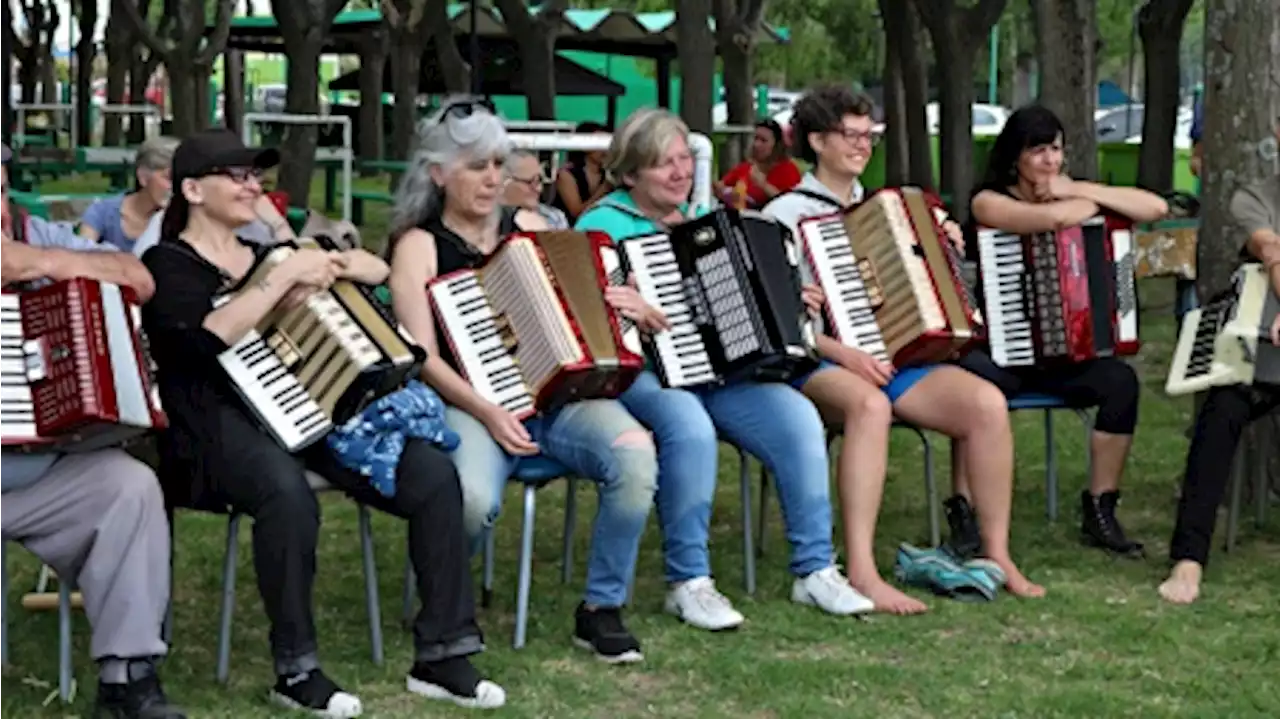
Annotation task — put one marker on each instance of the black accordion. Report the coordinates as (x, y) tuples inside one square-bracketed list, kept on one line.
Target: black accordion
[(729, 282)]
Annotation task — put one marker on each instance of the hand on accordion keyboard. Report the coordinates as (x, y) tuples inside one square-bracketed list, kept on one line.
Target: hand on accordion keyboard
[(867, 367), (315, 268), (955, 234), (814, 299), (509, 432), (626, 300)]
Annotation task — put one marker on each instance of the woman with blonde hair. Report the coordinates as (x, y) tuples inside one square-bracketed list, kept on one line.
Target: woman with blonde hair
[(650, 162), (448, 217)]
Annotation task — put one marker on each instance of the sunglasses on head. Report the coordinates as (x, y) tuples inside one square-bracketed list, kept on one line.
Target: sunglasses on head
[(462, 109)]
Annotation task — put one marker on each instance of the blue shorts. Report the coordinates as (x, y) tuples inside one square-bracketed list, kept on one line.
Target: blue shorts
[(903, 379)]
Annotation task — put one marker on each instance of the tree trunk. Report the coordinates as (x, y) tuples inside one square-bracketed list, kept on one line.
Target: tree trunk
[(1241, 102), (406, 70), (915, 87), (956, 60), (737, 23), (1066, 35), (233, 90), (373, 62), (28, 78), (535, 36), (118, 47), (49, 84), (182, 97), (140, 71), (908, 155), (696, 53), (454, 69), (86, 51), (6, 110), (298, 149), (1160, 26), (897, 153), (203, 110)]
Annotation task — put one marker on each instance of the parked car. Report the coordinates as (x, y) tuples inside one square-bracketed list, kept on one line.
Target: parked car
[(987, 119)]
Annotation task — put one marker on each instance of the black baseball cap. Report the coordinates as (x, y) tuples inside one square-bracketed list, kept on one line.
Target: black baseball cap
[(208, 151)]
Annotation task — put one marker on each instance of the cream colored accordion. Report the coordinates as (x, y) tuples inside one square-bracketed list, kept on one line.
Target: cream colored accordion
[(1228, 341)]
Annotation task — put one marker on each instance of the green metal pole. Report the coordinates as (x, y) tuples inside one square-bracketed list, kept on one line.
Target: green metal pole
[(993, 71), (762, 101)]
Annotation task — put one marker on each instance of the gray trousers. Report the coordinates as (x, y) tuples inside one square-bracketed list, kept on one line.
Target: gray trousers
[(99, 517)]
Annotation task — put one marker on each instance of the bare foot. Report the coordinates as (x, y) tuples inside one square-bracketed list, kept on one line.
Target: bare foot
[(887, 598), (1183, 584), (1017, 584)]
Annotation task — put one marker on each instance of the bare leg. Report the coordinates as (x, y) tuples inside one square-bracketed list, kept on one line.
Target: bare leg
[(1110, 452), (1183, 584), (864, 411), (963, 406)]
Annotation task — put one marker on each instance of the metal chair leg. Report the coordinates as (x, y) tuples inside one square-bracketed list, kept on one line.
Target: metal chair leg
[(1050, 468), (372, 605), (931, 490), (406, 610), (526, 566), (764, 506), (66, 679), (486, 590), (570, 525), (228, 599), (1262, 490), (4, 597), (748, 551), (1237, 480)]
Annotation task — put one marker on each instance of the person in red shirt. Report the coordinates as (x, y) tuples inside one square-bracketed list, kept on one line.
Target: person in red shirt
[(766, 175)]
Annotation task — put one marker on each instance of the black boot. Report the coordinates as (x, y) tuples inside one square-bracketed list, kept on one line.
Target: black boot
[(141, 698), (965, 541), (1100, 528)]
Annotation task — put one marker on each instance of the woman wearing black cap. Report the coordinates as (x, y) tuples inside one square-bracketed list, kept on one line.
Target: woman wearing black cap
[(214, 456)]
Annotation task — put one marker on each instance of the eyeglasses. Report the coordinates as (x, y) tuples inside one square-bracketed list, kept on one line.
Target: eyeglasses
[(467, 107), (534, 183), (240, 175), (855, 137)]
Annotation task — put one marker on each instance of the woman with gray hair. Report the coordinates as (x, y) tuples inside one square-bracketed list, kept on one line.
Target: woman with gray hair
[(121, 219), (651, 164), (448, 217)]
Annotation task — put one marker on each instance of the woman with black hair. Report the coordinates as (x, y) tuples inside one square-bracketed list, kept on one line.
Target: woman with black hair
[(1025, 192), (767, 174), (581, 181)]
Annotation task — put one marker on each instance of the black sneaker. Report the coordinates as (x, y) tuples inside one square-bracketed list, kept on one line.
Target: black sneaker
[(1100, 528), (314, 692), (965, 541), (139, 699), (603, 632), (457, 681)]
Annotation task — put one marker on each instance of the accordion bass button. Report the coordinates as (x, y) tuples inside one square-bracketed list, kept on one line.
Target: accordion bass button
[(36, 358)]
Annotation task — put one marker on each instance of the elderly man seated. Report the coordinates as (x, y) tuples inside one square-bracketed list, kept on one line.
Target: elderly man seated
[(96, 517)]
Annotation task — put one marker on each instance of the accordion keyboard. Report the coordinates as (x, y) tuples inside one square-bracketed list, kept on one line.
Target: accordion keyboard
[(1226, 341), (482, 348), (17, 411), (849, 305), (680, 351), (910, 301), (1009, 326)]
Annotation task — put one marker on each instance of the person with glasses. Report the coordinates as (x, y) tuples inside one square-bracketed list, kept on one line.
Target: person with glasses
[(861, 395), (97, 518), (447, 217), (523, 188), (215, 456), (1025, 191), (650, 161)]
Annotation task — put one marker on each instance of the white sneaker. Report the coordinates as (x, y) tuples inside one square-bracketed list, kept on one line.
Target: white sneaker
[(829, 590), (488, 694), (698, 603)]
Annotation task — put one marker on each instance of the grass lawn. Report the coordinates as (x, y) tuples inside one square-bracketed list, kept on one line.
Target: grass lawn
[(1100, 644)]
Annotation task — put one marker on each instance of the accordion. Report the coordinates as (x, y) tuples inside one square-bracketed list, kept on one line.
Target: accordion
[(892, 278), (1065, 296), (530, 328), (729, 283), (76, 373), (305, 369), (1228, 341), (1166, 249)]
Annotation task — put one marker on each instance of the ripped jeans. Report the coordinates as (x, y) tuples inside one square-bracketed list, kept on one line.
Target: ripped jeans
[(597, 440)]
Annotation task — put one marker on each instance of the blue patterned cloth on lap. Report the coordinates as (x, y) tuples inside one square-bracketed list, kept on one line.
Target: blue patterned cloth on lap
[(371, 442)]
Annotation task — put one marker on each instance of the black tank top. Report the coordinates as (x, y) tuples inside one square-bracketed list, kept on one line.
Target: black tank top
[(454, 253), (579, 175)]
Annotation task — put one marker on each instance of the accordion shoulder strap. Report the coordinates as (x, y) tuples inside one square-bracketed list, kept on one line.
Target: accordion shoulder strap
[(817, 196)]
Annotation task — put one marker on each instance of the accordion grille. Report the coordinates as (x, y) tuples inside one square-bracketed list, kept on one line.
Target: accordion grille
[(571, 257), (519, 288)]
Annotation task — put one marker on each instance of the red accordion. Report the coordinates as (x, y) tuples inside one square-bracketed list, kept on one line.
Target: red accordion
[(530, 328), (76, 374), (1065, 296)]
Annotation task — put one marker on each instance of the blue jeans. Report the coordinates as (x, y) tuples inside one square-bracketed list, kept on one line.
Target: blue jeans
[(586, 437), (771, 421)]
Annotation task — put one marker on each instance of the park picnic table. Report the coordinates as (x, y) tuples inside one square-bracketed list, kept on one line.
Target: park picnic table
[(31, 163)]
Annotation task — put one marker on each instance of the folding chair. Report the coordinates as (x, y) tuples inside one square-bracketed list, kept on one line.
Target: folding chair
[(1049, 403), (66, 675), (1244, 460), (317, 484), (749, 555)]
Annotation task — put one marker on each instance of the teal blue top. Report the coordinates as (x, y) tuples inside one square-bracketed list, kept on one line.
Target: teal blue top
[(616, 215)]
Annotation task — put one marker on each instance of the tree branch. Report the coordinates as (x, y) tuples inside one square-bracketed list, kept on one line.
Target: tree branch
[(217, 40), (723, 9), (515, 15), (979, 18), (137, 24), (753, 13), (935, 13)]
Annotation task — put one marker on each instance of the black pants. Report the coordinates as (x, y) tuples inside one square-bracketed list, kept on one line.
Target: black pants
[(1222, 419), (1109, 384), (259, 478)]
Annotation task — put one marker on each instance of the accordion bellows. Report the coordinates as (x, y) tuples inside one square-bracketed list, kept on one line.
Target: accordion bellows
[(530, 328)]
